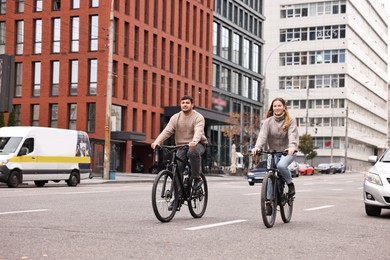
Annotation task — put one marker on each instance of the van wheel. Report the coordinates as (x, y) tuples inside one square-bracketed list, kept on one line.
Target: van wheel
[(40, 183), (13, 180), (73, 180)]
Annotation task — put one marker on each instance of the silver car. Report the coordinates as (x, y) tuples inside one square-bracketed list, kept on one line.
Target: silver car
[(376, 188)]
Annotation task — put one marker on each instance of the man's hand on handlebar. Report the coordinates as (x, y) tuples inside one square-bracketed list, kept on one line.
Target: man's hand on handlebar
[(254, 151)]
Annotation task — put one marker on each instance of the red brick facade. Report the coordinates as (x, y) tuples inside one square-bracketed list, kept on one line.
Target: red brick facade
[(160, 53)]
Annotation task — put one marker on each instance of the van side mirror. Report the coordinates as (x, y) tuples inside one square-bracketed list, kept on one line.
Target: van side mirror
[(23, 151)]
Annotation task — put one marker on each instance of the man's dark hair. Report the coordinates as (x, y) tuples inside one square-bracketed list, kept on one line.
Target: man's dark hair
[(187, 97)]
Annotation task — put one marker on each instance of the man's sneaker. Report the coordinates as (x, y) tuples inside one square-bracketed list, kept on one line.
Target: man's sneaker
[(268, 208), (197, 184), (291, 190)]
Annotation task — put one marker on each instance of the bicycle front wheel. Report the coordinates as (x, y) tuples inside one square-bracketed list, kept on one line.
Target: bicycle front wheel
[(268, 200), (164, 196), (286, 205), (197, 202)]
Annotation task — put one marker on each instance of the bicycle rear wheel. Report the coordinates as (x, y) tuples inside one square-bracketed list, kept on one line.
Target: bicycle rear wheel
[(268, 202), (164, 195), (197, 202), (286, 205)]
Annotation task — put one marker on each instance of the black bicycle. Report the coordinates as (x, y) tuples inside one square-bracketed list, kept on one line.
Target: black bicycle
[(274, 192), (172, 189)]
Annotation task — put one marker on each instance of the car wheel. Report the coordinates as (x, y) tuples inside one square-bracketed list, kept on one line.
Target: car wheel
[(251, 183), (373, 211)]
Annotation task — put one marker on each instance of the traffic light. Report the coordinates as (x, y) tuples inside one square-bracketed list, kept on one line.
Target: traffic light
[(6, 82)]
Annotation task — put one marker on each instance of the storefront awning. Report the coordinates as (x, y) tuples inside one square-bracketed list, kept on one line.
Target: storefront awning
[(211, 117)]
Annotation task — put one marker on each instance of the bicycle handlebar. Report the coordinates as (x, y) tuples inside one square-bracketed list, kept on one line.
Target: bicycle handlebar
[(171, 147), (285, 152)]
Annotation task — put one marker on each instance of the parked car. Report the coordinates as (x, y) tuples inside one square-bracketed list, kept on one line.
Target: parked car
[(376, 186), (325, 168), (294, 169), (305, 169), (256, 174), (339, 167)]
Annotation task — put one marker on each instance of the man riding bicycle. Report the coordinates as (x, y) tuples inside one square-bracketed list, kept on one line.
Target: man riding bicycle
[(188, 128), (280, 132)]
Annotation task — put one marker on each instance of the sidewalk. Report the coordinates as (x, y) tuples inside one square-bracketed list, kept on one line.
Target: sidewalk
[(123, 177)]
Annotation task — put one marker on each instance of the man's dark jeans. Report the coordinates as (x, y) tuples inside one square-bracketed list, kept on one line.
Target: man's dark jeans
[(194, 155)]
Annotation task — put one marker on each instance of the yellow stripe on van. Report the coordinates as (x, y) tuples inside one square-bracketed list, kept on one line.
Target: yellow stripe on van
[(51, 159)]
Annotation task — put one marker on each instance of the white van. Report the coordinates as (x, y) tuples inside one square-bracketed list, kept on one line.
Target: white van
[(43, 154)]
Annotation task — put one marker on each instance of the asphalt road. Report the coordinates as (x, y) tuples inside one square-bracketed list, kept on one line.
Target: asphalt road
[(116, 221)]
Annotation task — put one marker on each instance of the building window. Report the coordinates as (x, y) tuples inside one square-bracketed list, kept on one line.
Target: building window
[(225, 43), (125, 81), (37, 36), (91, 107), (93, 70), (94, 29), (126, 39), (19, 37), (224, 80), (2, 37), (145, 88), (146, 47), (18, 79), (37, 79), (135, 84), (20, 6), (54, 115), (35, 115), (255, 90), (215, 38), (56, 32), (72, 114), (75, 4), (17, 114), (3, 6), (56, 5), (116, 118), (236, 48), (94, 3), (136, 42), (235, 83), (75, 34), (55, 77), (245, 54), (38, 6), (74, 77)]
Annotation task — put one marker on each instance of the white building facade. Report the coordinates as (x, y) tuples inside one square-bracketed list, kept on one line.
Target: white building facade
[(328, 60)]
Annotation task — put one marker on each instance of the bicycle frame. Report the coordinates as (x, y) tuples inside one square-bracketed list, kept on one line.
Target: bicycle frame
[(177, 175)]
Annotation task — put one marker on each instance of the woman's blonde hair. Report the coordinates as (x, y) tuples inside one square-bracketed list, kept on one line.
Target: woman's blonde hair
[(287, 118)]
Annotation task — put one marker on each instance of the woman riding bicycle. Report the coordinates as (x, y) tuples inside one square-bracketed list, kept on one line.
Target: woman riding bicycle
[(280, 132)]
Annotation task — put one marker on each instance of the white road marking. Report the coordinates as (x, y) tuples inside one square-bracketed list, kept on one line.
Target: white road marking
[(23, 211), (85, 192), (252, 194), (217, 224), (322, 207)]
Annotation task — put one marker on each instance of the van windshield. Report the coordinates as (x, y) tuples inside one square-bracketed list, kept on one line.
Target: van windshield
[(9, 144)]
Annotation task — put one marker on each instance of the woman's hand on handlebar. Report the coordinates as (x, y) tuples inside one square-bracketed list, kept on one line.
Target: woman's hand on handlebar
[(290, 150), (154, 145)]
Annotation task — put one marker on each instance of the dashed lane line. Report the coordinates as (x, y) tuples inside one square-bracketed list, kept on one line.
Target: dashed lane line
[(217, 224), (318, 208), (23, 211)]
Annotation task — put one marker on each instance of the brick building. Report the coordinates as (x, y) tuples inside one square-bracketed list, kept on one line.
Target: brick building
[(161, 51)]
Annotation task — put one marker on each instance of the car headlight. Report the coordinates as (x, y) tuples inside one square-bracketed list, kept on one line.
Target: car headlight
[(373, 178), (250, 174)]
